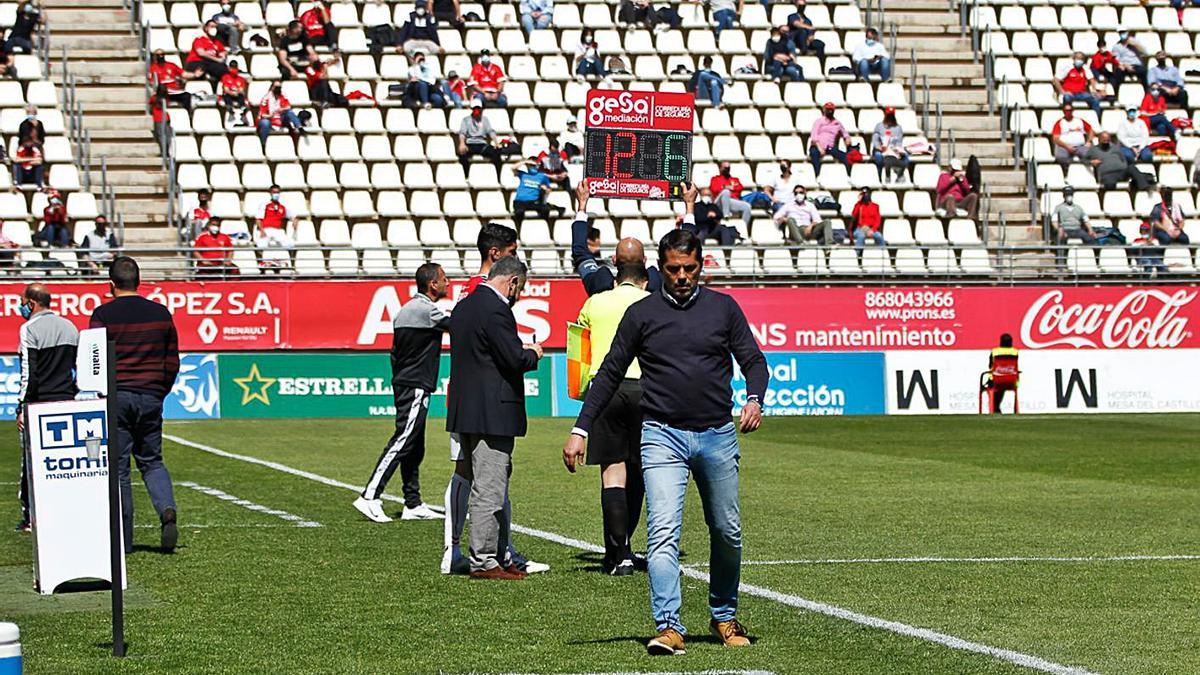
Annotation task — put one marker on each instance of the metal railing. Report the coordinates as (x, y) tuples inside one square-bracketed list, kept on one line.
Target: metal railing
[(42, 48)]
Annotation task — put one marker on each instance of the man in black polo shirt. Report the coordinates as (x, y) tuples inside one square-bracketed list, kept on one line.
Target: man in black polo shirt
[(416, 351), (147, 363), (683, 337)]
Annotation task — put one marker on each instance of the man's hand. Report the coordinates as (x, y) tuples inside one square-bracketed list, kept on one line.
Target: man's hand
[(751, 416), (21, 421), (689, 196), (573, 452), (535, 348), (581, 195)]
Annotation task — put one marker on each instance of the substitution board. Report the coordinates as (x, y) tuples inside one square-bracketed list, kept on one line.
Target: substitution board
[(639, 143)]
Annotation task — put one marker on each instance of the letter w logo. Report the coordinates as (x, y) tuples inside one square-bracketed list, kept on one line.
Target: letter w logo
[(904, 397), (1063, 396)]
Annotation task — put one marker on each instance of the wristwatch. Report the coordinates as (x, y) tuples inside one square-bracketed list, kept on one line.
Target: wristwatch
[(754, 400)]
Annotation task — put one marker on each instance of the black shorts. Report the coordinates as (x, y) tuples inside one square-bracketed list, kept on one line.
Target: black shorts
[(616, 434)]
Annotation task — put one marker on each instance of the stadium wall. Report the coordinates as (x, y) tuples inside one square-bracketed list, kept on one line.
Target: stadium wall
[(832, 351)]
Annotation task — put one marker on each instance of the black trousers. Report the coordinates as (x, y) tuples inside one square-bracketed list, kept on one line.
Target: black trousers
[(23, 486), (329, 39), (405, 449), (213, 70)]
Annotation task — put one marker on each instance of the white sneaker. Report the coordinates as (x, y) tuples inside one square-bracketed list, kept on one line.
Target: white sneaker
[(420, 512), (534, 567), (372, 509)]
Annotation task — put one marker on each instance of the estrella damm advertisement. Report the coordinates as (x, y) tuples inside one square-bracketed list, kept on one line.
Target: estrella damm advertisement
[(336, 385)]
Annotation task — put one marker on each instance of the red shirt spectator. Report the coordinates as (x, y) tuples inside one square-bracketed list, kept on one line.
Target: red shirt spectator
[(156, 110), (272, 108), (866, 214), (719, 183), (200, 217), (208, 44), (31, 151), (458, 87), (1152, 106), (313, 73), (169, 74), (233, 82), (487, 77), (1076, 80), (1074, 131), (55, 213), (208, 245), (273, 215), (1102, 59), (314, 21)]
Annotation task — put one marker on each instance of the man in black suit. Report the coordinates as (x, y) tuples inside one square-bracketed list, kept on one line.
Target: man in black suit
[(486, 406)]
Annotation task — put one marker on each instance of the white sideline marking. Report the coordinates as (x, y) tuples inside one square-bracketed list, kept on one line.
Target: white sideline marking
[(247, 504), (1000, 559), (1014, 657)]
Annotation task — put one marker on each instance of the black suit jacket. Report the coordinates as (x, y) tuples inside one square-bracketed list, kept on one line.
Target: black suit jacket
[(487, 365)]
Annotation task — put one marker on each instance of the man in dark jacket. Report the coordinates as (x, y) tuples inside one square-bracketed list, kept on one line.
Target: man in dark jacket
[(46, 346), (597, 276), (416, 352), (485, 406), (147, 363), (1112, 167)]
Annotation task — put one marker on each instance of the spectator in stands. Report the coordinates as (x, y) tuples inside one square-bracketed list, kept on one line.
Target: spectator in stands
[(708, 83), (273, 222), (587, 56), (616, 66), (207, 56), (487, 82), (887, 148), (1104, 63), (171, 76), (318, 26), (275, 112), (54, 230), (823, 139), (536, 14), (229, 27), (20, 38), (454, 89), (1154, 108), (29, 166), (446, 11), (644, 12), (1167, 77), (1134, 137), (571, 139), (233, 97), (1071, 137), (726, 190), (1071, 221), (422, 84), (214, 250), (799, 219), (871, 57), (8, 251), (708, 223), (6, 64), (781, 189), (778, 61), (477, 137), (866, 221), (1130, 56), (1102, 90), (1074, 85), (802, 33), (725, 13), (1167, 219), (158, 114), (1112, 167), (420, 32), (199, 216), (320, 90), (98, 245), (553, 162), (295, 52), (532, 188), (1146, 252), (955, 196), (31, 126)]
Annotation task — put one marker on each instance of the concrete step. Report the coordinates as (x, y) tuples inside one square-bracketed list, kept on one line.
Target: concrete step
[(96, 123), (143, 207), (111, 93), (149, 236), (137, 133), (100, 72), (120, 152), (140, 178), (72, 14), (122, 52), (85, 42), (123, 113), (904, 18), (86, 24)]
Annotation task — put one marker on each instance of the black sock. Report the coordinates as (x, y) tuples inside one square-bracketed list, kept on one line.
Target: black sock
[(616, 536), (635, 491)]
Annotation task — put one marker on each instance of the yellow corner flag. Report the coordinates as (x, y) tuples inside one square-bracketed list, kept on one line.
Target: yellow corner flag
[(579, 360)]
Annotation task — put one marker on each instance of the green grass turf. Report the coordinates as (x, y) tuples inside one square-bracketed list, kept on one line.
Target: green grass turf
[(248, 592)]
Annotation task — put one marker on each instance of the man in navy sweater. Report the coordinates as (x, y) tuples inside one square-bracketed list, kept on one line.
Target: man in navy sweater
[(683, 336), (592, 269)]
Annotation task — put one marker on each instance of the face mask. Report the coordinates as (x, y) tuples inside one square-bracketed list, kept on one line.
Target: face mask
[(866, 199), (800, 197), (870, 42), (829, 114), (785, 170), (212, 32), (725, 172), (214, 231), (477, 113), (1105, 146), (1123, 36), (1078, 63), (485, 60), (420, 11), (31, 117), (26, 312), (1162, 63), (1156, 93), (274, 196), (160, 59), (277, 91), (226, 8), (1132, 116), (1068, 114), (1069, 199)]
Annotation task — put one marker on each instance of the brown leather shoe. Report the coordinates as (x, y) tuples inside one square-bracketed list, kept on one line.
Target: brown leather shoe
[(668, 642), (731, 633), (498, 574)]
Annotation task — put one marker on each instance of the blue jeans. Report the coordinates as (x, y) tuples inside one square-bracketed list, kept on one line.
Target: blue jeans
[(815, 155), (789, 72), (1085, 97), (860, 238), (290, 121), (139, 417), (883, 68), (449, 95), (1144, 156), (1159, 236), (724, 19), (501, 101), (531, 24), (427, 93), (590, 67), (710, 86), (668, 455), (1161, 126)]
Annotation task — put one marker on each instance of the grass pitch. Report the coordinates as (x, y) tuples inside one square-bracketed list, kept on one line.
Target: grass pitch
[(250, 591)]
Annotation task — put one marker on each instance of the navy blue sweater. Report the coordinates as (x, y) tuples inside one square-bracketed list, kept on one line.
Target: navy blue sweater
[(684, 352)]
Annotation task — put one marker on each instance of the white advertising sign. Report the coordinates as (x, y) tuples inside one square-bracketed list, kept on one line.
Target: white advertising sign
[(91, 361), (69, 496), (1052, 381)]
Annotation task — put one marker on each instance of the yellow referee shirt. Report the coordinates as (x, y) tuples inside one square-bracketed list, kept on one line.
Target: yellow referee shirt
[(602, 313)]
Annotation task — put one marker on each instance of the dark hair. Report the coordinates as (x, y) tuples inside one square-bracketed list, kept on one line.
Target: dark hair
[(494, 235), (1005, 340), (124, 273), (274, 186), (634, 272), (683, 241), (426, 274), (293, 24), (593, 233), (872, 31), (508, 266), (41, 297)]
